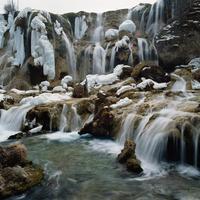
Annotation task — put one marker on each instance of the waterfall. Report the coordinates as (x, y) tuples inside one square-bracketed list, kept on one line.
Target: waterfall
[(156, 18), (63, 119), (99, 31), (179, 85), (80, 27), (70, 55), (147, 52), (11, 120), (99, 59), (69, 119)]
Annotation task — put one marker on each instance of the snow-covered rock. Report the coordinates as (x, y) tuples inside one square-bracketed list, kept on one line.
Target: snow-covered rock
[(59, 89), (44, 83), (195, 85), (122, 103), (111, 34), (57, 27), (128, 25), (150, 83), (124, 89), (123, 43), (36, 130), (65, 81), (96, 81), (45, 98)]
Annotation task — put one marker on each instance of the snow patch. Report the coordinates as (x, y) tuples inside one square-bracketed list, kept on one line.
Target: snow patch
[(128, 25), (148, 83), (122, 103), (124, 89)]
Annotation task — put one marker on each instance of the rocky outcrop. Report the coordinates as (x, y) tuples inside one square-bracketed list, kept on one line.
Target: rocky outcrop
[(149, 71), (17, 174), (128, 157), (177, 43)]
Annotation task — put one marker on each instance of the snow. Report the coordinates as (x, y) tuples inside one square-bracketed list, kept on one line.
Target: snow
[(46, 57), (57, 27), (37, 23), (4, 97), (128, 25), (124, 89), (80, 27), (23, 13), (2, 91), (124, 42), (44, 83), (122, 103), (45, 98), (36, 130), (18, 47), (119, 69), (111, 34), (65, 81), (59, 89), (23, 92), (148, 82), (195, 85), (100, 80), (195, 63)]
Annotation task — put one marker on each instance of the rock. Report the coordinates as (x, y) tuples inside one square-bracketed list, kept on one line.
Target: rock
[(177, 42), (134, 165), (17, 174), (128, 157), (80, 91), (150, 71), (13, 155), (100, 127), (128, 152), (46, 115), (17, 136)]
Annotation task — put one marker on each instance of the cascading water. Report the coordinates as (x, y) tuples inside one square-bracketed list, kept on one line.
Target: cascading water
[(70, 55), (98, 32), (11, 120), (146, 51), (80, 27), (69, 119), (156, 18)]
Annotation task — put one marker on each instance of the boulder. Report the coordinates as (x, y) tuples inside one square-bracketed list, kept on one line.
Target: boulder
[(150, 71), (100, 127), (128, 157), (80, 91), (17, 174)]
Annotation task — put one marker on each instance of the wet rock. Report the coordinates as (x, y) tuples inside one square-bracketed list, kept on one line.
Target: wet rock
[(128, 157), (80, 91), (150, 71), (101, 126), (46, 115), (17, 174), (128, 152)]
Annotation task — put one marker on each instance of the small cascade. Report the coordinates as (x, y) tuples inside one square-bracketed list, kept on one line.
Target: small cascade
[(69, 119), (70, 55), (12, 120), (179, 85), (99, 59), (99, 31), (76, 120), (156, 18), (63, 119), (80, 27), (147, 52)]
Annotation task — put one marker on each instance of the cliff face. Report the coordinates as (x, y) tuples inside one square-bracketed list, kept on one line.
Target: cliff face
[(37, 45)]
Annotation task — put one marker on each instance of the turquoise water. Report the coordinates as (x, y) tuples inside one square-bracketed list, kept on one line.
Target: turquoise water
[(86, 169)]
